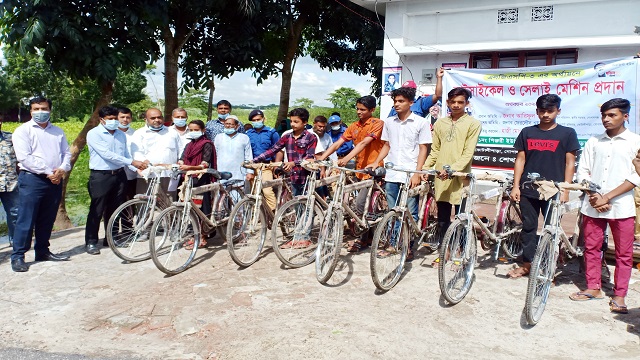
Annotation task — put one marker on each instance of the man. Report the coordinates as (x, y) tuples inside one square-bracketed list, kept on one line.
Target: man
[(407, 137), (422, 104), (324, 142), (108, 156), (44, 158), (336, 129), (215, 127), (179, 117), (125, 117), (8, 180), (548, 149), (155, 144), (232, 149), (262, 138), (607, 160)]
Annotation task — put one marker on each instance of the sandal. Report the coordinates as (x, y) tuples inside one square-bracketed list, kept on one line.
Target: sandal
[(410, 256), (518, 272), (614, 307), (358, 246), (189, 244), (584, 296)]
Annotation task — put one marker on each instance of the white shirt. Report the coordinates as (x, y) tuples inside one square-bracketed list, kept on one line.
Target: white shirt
[(159, 147), (130, 173), (326, 142), (183, 138), (607, 162), (404, 138), (231, 152), (320, 148)]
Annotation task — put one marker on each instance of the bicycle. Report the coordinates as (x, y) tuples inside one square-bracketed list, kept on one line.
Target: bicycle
[(175, 234), (130, 224), (543, 266), (251, 217), (299, 220), (391, 238), (331, 231), (458, 254)]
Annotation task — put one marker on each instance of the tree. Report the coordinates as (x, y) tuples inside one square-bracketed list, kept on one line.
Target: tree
[(85, 39), (343, 98), (303, 102)]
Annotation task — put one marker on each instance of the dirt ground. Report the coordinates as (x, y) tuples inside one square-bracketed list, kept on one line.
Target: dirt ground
[(98, 306)]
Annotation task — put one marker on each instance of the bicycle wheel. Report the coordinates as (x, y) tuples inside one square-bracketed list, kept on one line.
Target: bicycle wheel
[(174, 240), (429, 225), (294, 232), (543, 269), (510, 219), (246, 232), (329, 245), (457, 261), (389, 250), (227, 200), (128, 230)]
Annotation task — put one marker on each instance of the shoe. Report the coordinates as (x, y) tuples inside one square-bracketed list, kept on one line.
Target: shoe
[(92, 249), (51, 257), (19, 265)]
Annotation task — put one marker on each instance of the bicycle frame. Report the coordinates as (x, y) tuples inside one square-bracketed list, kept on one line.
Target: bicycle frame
[(153, 195), (256, 191)]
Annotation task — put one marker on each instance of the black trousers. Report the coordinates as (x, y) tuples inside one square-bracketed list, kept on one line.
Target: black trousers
[(530, 209), (444, 217), (107, 192)]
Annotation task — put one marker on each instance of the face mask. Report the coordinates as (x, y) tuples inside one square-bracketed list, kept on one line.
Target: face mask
[(257, 124), (229, 131), (223, 116), (124, 126), (41, 117), (111, 124), (179, 122), (194, 135), (335, 128), (154, 128)]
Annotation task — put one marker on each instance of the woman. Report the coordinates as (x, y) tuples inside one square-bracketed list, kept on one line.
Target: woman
[(199, 154)]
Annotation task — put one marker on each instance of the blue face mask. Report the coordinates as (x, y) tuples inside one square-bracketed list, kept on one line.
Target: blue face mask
[(121, 126), (41, 117), (156, 128), (229, 131), (111, 124), (257, 124), (179, 122), (193, 135), (223, 116)]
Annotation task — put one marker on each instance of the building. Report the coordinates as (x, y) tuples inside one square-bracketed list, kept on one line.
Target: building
[(422, 35)]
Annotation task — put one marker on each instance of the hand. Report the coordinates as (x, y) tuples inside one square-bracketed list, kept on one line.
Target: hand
[(603, 208), (443, 175), (564, 197), (515, 193), (636, 162), (288, 166), (373, 166), (323, 173), (342, 162), (139, 164), (440, 73), (183, 167), (147, 162), (597, 200), (250, 177), (415, 180)]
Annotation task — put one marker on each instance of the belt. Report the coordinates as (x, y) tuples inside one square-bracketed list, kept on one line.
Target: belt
[(108, 172), (41, 176)]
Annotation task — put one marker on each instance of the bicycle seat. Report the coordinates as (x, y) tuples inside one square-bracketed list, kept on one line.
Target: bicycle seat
[(379, 172)]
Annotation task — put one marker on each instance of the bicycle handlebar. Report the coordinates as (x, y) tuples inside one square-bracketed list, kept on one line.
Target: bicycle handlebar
[(256, 166), (391, 166)]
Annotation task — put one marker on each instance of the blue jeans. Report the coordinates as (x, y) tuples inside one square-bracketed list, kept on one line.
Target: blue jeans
[(297, 189), (10, 204), (38, 203), (392, 191)]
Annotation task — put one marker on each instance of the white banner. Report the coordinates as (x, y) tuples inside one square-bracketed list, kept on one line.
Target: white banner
[(505, 100)]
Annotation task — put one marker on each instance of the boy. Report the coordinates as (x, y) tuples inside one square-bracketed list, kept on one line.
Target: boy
[(550, 150), (299, 145), (407, 137), (607, 160), (454, 141)]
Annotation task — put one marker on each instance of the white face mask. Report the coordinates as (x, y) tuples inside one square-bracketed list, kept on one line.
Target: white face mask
[(335, 128), (194, 135)]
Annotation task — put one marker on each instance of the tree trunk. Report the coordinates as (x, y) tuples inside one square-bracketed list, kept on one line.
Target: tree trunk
[(212, 89), (293, 41), (62, 218), (171, 56)]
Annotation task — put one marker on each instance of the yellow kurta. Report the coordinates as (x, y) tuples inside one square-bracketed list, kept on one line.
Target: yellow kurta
[(453, 144)]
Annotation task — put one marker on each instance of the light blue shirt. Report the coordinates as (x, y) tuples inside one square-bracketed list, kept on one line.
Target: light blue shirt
[(107, 151), (41, 150), (231, 152)]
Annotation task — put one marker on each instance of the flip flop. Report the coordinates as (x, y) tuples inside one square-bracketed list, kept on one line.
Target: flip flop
[(583, 296), (618, 309)]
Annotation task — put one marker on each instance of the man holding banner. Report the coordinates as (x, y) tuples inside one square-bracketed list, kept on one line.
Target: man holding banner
[(422, 104)]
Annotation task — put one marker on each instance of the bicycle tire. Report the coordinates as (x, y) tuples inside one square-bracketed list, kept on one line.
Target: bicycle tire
[(171, 238), (429, 225), (329, 245), (457, 241), (389, 250), (128, 230), (283, 233), (245, 239), (227, 200), (543, 269), (510, 219)]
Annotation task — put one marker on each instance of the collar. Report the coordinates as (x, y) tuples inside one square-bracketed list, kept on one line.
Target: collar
[(33, 123), (625, 135), (412, 116), (367, 122)]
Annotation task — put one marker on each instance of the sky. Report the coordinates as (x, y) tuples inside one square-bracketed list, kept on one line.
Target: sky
[(309, 81)]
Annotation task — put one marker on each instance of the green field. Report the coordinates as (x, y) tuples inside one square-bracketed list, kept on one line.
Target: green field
[(77, 195)]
